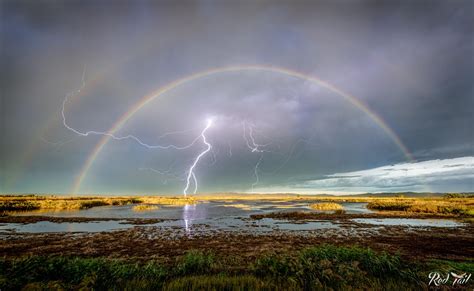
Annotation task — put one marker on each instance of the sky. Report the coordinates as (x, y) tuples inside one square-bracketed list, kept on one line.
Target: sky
[(242, 96)]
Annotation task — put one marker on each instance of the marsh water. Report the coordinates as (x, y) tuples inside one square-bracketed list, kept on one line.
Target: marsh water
[(212, 215)]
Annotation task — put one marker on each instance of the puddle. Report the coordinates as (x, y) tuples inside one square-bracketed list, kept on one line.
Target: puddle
[(310, 225), (356, 207), (410, 222)]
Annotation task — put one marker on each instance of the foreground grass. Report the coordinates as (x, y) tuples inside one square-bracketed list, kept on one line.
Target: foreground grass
[(316, 268)]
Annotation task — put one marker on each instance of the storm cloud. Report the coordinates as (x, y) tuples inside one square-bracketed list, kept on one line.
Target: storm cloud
[(409, 62)]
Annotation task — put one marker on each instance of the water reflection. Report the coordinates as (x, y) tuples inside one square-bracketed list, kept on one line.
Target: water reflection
[(192, 212), (188, 211)]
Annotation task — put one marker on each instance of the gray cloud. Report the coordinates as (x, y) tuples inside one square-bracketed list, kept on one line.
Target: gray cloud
[(411, 62)]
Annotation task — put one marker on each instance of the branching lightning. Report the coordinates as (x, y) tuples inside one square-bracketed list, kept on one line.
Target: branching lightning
[(254, 148), (131, 137), (168, 174), (257, 179), (230, 149), (56, 144), (190, 175), (250, 140), (203, 153)]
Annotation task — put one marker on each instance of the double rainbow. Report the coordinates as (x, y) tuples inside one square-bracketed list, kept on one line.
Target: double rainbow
[(264, 68)]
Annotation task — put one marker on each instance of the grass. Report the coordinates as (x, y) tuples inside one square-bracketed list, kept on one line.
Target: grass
[(169, 200), (18, 205), (327, 206), (126, 201), (221, 282), (451, 203), (448, 206), (92, 203), (339, 268), (33, 202), (145, 207), (324, 267), (196, 263)]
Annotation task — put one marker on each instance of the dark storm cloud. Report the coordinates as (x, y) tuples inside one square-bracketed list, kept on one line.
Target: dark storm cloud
[(410, 61)]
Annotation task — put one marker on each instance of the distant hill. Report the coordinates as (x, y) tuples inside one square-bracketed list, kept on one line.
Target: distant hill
[(383, 194)]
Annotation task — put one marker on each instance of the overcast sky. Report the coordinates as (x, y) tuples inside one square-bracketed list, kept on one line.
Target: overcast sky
[(410, 62)]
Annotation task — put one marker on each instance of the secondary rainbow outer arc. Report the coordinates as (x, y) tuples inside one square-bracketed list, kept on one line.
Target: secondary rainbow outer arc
[(152, 96), (29, 154)]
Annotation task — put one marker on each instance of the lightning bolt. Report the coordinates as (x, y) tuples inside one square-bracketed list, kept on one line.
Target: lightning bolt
[(56, 144), (230, 149), (248, 135), (127, 137), (196, 160), (191, 174), (257, 179), (166, 173), (254, 148), (250, 140)]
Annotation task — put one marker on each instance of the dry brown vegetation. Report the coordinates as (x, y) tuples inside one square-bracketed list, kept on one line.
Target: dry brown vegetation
[(145, 207), (326, 206), (168, 200), (30, 202), (455, 206), (450, 205)]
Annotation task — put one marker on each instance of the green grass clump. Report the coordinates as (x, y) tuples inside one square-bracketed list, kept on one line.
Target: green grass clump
[(338, 267), (221, 282), (195, 263), (76, 273)]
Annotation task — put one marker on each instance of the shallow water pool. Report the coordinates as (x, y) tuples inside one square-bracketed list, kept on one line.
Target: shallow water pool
[(415, 222)]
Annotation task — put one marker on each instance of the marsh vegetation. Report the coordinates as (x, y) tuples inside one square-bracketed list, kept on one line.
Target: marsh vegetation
[(326, 206), (33, 202), (314, 268), (145, 207), (450, 207)]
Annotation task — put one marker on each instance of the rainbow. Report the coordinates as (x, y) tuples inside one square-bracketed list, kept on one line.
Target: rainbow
[(265, 68), (33, 147)]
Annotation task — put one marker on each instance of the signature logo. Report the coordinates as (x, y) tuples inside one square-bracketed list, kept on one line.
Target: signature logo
[(437, 279)]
